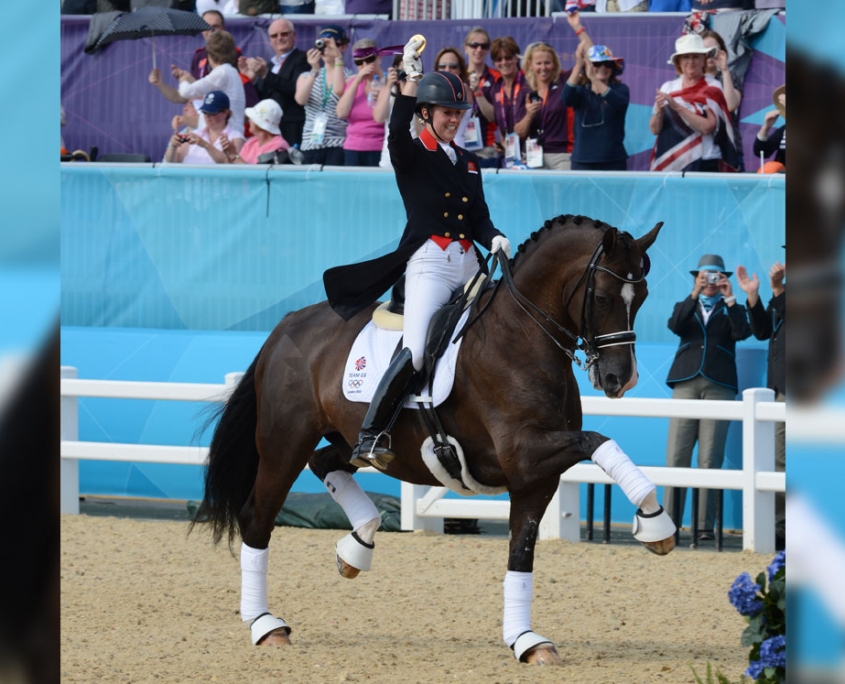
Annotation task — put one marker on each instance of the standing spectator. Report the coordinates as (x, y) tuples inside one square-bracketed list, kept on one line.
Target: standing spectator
[(205, 146), (690, 116), (709, 322), (600, 108), (279, 81), (547, 116), (264, 121), (729, 81), (360, 99), (450, 59), (396, 78), (481, 77), (318, 91), (768, 324), (774, 143), (505, 99)]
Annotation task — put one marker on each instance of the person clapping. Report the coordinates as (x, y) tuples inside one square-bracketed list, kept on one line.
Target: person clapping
[(205, 146)]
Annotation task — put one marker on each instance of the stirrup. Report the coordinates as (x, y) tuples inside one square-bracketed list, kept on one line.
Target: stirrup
[(377, 457)]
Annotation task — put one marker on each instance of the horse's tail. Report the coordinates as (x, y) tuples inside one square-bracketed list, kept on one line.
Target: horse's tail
[(232, 460)]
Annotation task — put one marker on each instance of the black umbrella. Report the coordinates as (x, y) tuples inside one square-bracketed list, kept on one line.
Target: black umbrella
[(149, 22)]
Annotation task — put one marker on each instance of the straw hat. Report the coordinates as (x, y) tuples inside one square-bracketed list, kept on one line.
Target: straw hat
[(776, 100)]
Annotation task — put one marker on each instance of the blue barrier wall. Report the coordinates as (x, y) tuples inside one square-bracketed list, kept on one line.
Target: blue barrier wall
[(177, 274)]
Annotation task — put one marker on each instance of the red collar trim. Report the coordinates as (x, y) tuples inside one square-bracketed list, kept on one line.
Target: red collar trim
[(428, 140)]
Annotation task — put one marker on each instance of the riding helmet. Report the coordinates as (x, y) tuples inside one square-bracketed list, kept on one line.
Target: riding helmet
[(442, 88)]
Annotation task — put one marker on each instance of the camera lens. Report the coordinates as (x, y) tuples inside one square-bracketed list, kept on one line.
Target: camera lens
[(320, 44)]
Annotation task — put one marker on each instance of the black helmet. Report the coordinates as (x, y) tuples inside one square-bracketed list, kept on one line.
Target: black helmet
[(442, 88)]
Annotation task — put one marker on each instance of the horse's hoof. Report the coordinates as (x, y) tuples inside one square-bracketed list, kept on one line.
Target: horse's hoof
[(543, 655), (661, 548), (345, 569), (278, 637)]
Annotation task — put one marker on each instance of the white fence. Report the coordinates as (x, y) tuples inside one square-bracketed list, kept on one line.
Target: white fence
[(425, 508)]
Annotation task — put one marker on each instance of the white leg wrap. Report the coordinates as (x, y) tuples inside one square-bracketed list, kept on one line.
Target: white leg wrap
[(519, 592), (355, 551), (615, 462), (263, 625), (253, 582), (358, 507), (653, 527)]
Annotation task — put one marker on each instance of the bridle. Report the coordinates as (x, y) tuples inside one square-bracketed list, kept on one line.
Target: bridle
[(587, 343)]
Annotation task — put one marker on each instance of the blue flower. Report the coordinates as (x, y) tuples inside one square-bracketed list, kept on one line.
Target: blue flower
[(773, 652), (743, 595), (755, 669), (777, 563)]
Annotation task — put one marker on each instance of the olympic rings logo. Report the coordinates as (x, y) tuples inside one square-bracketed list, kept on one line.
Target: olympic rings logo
[(355, 383)]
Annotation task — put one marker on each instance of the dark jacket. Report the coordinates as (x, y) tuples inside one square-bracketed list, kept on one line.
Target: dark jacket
[(440, 199), (282, 88), (769, 325), (774, 144), (708, 350)]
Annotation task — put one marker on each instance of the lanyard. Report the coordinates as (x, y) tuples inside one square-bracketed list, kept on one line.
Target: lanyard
[(502, 100), (327, 89)]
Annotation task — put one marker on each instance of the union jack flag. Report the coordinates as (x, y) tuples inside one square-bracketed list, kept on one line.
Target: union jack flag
[(361, 364), (577, 5)]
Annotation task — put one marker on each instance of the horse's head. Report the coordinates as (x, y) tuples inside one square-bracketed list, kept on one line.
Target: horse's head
[(603, 303)]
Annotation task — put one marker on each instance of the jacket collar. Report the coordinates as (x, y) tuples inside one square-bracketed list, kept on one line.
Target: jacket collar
[(428, 140)]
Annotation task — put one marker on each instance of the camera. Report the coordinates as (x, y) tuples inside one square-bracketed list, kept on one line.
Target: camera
[(184, 139), (320, 44), (713, 277), (534, 96), (401, 75)]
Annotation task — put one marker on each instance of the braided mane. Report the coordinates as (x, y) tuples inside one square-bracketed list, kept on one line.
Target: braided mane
[(562, 221)]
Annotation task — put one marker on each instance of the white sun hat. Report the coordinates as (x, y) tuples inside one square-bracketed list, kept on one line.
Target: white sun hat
[(266, 114), (689, 44)]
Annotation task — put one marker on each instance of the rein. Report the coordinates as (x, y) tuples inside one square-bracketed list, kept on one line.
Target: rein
[(588, 344)]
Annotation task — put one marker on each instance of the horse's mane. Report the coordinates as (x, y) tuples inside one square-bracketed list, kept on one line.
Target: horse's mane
[(550, 226)]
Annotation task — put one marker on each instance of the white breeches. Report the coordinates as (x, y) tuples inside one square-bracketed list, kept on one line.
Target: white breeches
[(431, 276)]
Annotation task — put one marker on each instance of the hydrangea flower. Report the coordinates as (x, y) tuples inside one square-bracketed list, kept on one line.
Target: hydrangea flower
[(743, 595), (778, 562), (773, 652), (755, 670)]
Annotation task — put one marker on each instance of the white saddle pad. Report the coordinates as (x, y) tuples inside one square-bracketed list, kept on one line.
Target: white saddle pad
[(370, 356)]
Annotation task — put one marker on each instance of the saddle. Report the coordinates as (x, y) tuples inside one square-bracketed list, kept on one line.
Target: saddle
[(441, 330)]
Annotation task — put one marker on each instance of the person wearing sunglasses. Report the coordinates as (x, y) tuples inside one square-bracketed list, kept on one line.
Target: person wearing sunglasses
[(504, 101), (450, 59), (278, 82), (481, 77), (547, 117), (364, 105), (441, 188), (600, 102)]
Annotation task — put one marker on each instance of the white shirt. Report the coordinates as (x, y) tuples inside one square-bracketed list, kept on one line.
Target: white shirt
[(226, 78), (278, 60), (222, 6), (199, 155)]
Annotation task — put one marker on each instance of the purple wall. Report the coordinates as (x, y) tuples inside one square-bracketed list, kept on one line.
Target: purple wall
[(109, 102)]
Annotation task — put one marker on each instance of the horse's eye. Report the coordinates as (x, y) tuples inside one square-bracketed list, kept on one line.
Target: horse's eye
[(602, 300)]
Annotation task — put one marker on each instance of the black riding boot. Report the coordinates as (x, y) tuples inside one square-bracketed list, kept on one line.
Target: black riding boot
[(390, 394)]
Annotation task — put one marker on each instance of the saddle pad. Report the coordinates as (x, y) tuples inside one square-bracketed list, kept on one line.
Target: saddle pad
[(370, 356)]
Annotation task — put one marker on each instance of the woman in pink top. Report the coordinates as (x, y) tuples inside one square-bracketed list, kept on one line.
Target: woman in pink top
[(364, 96), (266, 137)]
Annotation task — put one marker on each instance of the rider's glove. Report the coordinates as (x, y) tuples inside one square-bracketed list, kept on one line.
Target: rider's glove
[(501, 242), (411, 60)]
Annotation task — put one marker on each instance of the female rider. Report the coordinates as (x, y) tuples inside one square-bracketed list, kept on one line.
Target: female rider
[(441, 188)]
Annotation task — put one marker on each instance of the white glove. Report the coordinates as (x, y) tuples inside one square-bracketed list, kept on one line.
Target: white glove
[(501, 242), (411, 60)]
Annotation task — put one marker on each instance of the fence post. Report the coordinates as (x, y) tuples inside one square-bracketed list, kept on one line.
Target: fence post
[(563, 519), (69, 431), (409, 518), (758, 452)]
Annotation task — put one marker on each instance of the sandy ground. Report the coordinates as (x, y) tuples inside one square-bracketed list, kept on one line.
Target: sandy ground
[(144, 602)]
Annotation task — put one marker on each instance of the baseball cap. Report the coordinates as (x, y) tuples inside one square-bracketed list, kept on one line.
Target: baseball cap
[(216, 101)]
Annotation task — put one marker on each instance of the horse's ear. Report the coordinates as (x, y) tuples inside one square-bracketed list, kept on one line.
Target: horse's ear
[(648, 239), (609, 240)]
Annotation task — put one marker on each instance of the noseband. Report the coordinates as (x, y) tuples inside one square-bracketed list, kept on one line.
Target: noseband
[(588, 343)]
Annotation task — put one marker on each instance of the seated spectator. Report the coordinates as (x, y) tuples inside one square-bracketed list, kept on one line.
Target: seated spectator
[(318, 91), (481, 76), (766, 144), (264, 121), (690, 117), (546, 119), (223, 76), (205, 146), (363, 99), (504, 100), (728, 80), (451, 59), (600, 102)]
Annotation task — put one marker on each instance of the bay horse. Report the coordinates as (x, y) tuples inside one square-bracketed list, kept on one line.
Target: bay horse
[(575, 284)]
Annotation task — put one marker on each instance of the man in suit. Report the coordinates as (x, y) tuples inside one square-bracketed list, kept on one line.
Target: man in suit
[(278, 80), (769, 324), (709, 322)]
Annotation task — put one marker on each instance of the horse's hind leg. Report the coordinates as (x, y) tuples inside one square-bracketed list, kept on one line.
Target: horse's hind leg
[(354, 552)]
